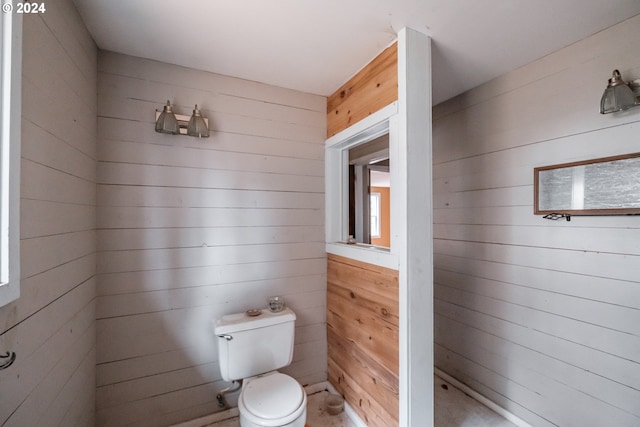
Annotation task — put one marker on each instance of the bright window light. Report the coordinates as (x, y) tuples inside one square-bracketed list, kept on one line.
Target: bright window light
[(374, 208)]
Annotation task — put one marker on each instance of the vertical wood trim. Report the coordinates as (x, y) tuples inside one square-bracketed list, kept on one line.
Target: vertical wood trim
[(362, 332), (372, 88), (10, 179), (416, 260)]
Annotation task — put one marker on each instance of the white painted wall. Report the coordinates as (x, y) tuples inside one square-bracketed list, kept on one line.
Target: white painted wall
[(415, 228), (541, 317), (51, 327), (189, 230)]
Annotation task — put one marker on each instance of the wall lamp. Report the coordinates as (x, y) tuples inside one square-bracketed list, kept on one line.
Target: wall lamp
[(619, 95), (176, 124)]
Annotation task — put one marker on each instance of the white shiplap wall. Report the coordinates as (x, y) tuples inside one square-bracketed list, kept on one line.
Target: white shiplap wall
[(189, 230), (541, 317), (51, 327)]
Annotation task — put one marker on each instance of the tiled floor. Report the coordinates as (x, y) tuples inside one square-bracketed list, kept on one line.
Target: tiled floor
[(453, 408)]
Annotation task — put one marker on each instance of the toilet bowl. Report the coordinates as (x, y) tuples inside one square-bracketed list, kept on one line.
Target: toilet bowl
[(252, 347), (272, 400)]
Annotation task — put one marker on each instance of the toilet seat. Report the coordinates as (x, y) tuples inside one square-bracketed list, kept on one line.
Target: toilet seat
[(272, 400)]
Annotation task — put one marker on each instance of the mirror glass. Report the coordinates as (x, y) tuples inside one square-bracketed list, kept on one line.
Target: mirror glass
[(370, 192), (601, 186)]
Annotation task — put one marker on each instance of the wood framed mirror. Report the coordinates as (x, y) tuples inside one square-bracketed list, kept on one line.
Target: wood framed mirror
[(604, 186)]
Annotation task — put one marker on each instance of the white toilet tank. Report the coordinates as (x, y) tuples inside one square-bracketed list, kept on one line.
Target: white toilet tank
[(252, 345)]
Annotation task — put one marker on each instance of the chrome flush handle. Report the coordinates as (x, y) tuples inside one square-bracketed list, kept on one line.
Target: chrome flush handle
[(226, 337)]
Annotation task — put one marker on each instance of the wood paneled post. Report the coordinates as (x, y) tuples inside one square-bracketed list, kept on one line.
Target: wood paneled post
[(406, 119)]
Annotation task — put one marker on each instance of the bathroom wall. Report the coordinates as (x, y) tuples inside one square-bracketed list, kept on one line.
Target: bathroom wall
[(363, 299), (540, 316), (363, 334), (51, 327), (191, 229), (373, 87)]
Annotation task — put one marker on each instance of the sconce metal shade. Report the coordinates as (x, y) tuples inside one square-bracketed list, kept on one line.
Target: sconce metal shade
[(167, 122), (617, 96), (197, 126)]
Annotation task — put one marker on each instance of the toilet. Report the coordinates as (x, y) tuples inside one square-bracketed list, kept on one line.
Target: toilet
[(251, 348)]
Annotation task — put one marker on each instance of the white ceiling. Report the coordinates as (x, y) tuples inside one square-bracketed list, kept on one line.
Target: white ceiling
[(316, 45)]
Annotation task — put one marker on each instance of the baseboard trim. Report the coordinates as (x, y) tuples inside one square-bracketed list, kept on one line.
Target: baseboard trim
[(315, 388), (351, 413), (480, 398)]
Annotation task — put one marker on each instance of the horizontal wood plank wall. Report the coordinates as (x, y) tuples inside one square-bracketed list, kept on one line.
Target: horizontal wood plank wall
[(373, 87), (362, 334), (542, 317), (51, 327), (191, 229)]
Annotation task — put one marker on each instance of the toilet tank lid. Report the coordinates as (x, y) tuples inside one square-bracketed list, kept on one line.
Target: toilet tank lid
[(241, 321)]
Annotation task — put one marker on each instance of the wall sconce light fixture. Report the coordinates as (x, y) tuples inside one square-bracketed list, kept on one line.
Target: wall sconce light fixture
[(176, 124), (619, 95), (166, 121), (197, 125)]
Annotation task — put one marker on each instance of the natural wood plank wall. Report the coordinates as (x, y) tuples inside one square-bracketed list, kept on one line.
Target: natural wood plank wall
[(190, 229), (51, 327), (362, 335), (373, 87), (542, 317)]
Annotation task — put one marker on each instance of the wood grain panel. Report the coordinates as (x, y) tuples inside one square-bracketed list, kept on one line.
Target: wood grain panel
[(373, 87), (358, 398), (377, 379), (362, 336)]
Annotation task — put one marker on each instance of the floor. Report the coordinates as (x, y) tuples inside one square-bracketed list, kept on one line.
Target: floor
[(316, 415), (453, 408)]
